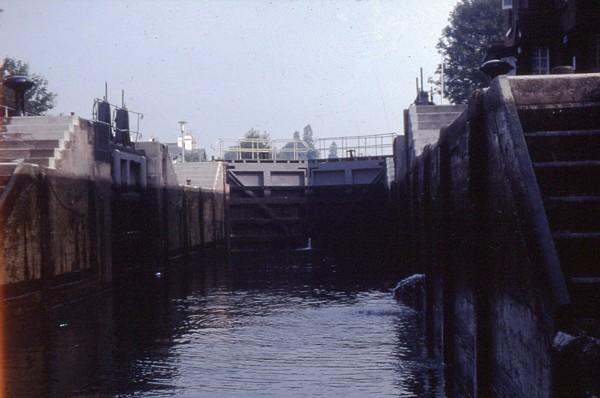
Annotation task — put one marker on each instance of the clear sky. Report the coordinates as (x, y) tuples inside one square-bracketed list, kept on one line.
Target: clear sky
[(345, 67)]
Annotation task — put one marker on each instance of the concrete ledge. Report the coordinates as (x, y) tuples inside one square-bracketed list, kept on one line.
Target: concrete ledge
[(555, 89)]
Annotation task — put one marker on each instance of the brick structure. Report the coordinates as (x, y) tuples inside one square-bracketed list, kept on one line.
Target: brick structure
[(545, 34)]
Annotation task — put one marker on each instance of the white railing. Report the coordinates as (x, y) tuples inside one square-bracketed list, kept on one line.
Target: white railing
[(355, 146), (323, 148), (261, 149)]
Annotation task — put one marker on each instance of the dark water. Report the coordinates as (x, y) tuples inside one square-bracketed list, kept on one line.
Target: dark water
[(271, 329)]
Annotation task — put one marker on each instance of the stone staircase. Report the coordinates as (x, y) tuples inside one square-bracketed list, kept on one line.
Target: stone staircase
[(564, 146), (33, 139)]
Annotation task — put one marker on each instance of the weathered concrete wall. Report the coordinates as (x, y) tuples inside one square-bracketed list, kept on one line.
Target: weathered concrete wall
[(422, 124), (71, 231), (56, 223), (490, 309), (55, 235), (176, 219), (159, 165), (205, 175), (207, 191)]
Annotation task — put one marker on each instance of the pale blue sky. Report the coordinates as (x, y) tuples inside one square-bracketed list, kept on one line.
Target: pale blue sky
[(345, 67)]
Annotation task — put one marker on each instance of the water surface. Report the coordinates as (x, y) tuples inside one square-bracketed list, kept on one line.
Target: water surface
[(273, 328)]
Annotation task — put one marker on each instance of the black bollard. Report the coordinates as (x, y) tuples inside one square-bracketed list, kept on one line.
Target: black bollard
[(495, 67)]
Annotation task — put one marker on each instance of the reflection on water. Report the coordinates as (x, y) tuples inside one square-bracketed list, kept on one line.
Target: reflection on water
[(241, 330)]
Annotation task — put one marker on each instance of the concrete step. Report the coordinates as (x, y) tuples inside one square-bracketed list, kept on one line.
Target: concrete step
[(440, 108), (435, 124), (564, 178), (546, 146), (578, 252), (29, 144), (35, 136), (38, 161), (13, 153), (34, 128), (563, 142), (437, 116), (45, 120), (560, 117), (573, 213)]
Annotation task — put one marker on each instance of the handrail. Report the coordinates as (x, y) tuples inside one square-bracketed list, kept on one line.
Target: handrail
[(381, 144), (6, 109)]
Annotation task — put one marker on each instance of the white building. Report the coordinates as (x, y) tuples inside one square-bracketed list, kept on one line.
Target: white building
[(189, 142)]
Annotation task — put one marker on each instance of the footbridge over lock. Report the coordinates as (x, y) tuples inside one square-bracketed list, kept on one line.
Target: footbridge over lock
[(283, 196)]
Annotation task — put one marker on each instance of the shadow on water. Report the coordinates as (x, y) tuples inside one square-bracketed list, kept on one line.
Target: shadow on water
[(280, 325)]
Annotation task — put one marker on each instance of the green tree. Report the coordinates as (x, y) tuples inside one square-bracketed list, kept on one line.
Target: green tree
[(254, 145), (473, 26), (39, 99), (333, 148), (308, 138)]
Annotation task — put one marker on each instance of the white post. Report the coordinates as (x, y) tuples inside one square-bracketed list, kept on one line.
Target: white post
[(182, 128), (443, 81)]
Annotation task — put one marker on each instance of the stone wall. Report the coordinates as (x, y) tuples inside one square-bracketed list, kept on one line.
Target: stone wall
[(422, 124), (491, 310), (71, 231), (55, 236), (175, 219)]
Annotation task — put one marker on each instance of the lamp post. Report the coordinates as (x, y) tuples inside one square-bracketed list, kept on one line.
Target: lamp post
[(182, 129), (19, 84)]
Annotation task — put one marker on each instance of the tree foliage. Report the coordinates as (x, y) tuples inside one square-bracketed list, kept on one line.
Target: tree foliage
[(254, 145), (308, 138), (39, 99), (333, 149), (473, 26)]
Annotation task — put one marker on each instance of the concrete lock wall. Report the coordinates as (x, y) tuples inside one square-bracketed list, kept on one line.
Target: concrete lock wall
[(56, 236), (68, 230), (490, 312)]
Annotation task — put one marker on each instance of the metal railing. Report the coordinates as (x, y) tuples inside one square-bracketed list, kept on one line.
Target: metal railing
[(112, 125), (261, 149), (6, 109), (323, 148), (355, 146)]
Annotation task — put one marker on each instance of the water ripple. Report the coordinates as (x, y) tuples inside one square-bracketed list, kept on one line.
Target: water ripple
[(249, 333)]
